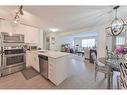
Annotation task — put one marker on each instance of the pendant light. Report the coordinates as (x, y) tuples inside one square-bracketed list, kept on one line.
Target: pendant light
[(117, 25)]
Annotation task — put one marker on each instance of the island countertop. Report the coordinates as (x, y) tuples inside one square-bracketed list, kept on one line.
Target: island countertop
[(52, 54)]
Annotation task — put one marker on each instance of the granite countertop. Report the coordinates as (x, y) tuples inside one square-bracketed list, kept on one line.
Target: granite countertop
[(52, 54)]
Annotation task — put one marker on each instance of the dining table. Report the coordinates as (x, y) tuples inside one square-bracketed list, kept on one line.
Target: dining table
[(80, 53), (113, 66)]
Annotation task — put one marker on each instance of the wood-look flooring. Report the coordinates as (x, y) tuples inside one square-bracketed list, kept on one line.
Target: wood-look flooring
[(81, 76)]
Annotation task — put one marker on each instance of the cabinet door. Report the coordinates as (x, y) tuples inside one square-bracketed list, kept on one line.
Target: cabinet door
[(57, 70), (61, 70), (52, 70), (31, 34), (28, 59), (34, 36), (35, 63), (32, 60)]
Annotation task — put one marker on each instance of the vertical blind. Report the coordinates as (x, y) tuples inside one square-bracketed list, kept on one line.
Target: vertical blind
[(88, 42)]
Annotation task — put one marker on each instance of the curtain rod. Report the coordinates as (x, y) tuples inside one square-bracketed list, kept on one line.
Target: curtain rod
[(22, 23)]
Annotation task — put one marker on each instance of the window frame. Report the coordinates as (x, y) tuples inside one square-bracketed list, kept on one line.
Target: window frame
[(88, 46)]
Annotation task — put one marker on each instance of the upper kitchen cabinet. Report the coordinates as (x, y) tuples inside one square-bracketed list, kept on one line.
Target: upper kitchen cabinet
[(31, 34)]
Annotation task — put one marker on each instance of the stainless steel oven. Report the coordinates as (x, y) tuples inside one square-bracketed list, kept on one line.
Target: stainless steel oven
[(14, 59), (13, 56), (15, 38)]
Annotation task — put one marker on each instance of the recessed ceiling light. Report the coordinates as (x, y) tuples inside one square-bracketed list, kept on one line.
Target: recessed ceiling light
[(53, 29), (15, 21)]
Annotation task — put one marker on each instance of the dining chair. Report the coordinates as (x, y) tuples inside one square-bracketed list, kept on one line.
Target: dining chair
[(100, 68), (118, 81), (86, 53), (111, 55)]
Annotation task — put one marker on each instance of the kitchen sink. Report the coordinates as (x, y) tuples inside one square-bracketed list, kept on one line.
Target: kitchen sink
[(42, 51)]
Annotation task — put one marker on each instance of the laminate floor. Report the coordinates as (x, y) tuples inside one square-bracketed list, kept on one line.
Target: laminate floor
[(81, 76)]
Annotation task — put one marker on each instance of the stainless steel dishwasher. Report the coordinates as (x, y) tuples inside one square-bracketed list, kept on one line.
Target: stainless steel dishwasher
[(43, 64)]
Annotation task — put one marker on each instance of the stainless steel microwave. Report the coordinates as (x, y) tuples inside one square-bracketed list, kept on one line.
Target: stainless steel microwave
[(15, 38)]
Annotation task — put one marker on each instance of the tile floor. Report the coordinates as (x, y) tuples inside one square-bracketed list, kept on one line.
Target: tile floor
[(81, 76)]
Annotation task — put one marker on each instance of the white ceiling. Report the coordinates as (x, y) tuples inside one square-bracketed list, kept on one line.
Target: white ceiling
[(67, 18), (83, 34)]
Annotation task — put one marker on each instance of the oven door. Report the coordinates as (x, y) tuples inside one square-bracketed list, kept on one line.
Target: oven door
[(14, 60)]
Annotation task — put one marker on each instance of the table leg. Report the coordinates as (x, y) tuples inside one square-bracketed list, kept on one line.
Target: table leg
[(82, 54), (111, 80), (108, 81)]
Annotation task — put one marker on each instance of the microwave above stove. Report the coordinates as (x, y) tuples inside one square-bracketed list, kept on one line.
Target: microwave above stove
[(15, 38)]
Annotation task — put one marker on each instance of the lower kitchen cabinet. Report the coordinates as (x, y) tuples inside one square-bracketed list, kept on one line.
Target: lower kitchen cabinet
[(57, 67), (32, 60), (57, 72)]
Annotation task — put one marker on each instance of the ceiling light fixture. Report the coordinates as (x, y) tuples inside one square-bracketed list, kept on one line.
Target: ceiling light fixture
[(53, 29), (18, 13), (117, 25)]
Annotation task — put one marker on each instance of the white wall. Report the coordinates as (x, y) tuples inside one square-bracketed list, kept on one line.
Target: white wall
[(64, 40), (41, 39)]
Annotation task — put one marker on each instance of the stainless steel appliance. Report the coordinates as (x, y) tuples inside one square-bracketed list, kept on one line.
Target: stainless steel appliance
[(13, 56), (43, 62), (14, 59), (15, 38)]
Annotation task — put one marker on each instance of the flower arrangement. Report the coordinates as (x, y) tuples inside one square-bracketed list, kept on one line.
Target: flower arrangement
[(120, 50)]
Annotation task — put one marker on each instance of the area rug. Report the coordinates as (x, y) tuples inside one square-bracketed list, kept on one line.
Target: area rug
[(29, 73)]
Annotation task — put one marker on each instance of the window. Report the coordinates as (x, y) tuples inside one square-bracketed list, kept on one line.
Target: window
[(120, 40), (88, 43), (73, 43)]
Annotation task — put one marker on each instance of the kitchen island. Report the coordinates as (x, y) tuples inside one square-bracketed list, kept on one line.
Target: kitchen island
[(57, 64)]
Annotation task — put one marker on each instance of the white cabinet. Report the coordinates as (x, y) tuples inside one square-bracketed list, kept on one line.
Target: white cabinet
[(57, 72), (35, 61), (28, 59), (57, 67), (31, 34), (32, 60), (31, 37)]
